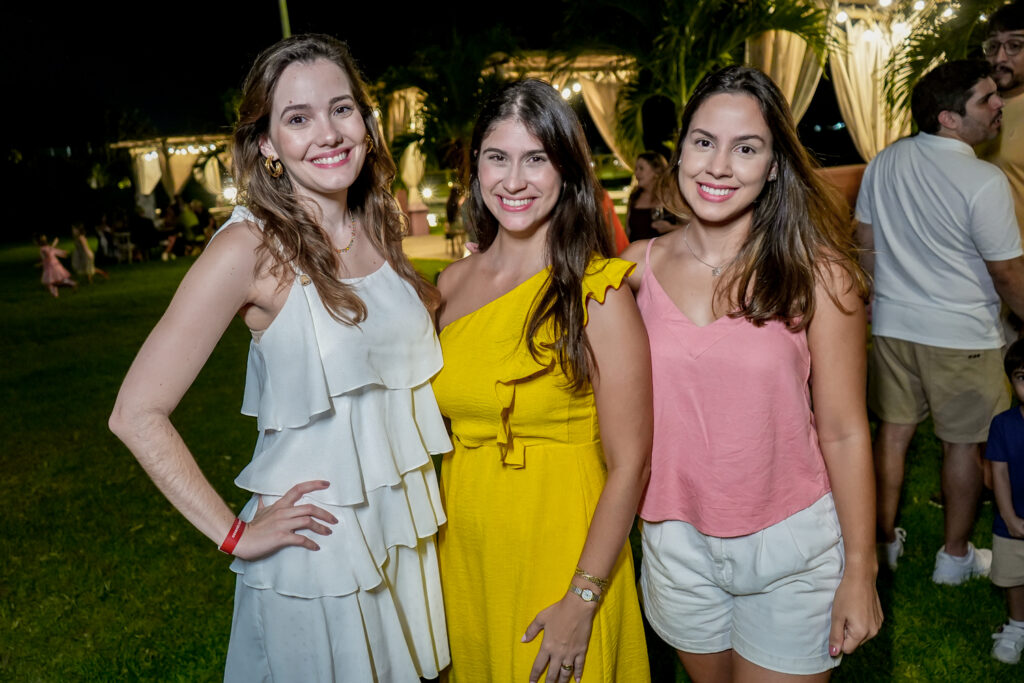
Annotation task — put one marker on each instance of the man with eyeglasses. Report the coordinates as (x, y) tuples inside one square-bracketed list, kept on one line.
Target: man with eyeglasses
[(1004, 50)]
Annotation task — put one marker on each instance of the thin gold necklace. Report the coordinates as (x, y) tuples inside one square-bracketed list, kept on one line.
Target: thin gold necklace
[(715, 270), (351, 241)]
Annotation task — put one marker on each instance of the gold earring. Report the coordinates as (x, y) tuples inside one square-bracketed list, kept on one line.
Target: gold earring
[(369, 144), (274, 166)]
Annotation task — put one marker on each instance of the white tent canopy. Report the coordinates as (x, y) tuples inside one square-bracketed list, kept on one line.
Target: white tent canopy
[(173, 160)]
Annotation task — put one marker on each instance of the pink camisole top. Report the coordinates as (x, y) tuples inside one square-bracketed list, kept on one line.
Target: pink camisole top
[(735, 446)]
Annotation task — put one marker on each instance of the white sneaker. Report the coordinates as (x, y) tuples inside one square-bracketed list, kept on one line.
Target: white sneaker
[(952, 571), (890, 553), (1009, 643)]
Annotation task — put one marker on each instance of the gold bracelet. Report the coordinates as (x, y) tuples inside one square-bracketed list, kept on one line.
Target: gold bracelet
[(600, 583)]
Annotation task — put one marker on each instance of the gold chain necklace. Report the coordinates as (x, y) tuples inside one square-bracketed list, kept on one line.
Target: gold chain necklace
[(715, 270), (351, 241)]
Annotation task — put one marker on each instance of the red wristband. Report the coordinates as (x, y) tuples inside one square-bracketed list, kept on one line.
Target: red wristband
[(228, 546)]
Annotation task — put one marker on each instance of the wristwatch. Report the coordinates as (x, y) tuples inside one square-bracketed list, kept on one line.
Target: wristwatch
[(585, 594)]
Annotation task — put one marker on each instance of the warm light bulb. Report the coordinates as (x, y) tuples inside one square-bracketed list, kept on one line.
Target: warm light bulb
[(842, 16)]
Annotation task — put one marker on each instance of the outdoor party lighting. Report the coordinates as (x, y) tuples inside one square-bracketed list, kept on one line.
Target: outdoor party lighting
[(576, 87), (919, 5), (566, 93), (842, 16), (432, 220), (948, 13), (230, 194), (884, 3), (427, 192)]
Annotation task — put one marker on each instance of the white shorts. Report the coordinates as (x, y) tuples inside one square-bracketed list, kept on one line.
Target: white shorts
[(768, 596)]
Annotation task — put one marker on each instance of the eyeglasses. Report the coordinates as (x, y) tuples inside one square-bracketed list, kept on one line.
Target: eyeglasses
[(1012, 47)]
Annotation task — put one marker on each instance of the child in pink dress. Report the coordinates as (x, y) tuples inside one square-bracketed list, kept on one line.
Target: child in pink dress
[(54, 273)]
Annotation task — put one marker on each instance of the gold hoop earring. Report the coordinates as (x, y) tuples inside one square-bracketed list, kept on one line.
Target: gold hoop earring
[(274, 166), (369, 144)]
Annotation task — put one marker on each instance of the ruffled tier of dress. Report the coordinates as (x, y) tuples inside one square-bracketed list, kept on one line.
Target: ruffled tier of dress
[(352, 405)]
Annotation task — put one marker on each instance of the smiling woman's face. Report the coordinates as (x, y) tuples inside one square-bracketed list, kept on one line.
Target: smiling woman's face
[(316, 129), (519, 183), (725, 159)]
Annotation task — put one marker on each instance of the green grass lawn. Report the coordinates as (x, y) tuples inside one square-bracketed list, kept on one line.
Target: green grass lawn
[(101, 579)]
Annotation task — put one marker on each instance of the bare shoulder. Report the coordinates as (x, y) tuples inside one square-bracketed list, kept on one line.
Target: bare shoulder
[(636, 252), (836, 280), (238, 240), (455, 274)]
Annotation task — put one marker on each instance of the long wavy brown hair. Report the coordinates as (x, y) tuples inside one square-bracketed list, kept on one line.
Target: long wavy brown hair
[(801, 226), (292, 235), (577, 231)]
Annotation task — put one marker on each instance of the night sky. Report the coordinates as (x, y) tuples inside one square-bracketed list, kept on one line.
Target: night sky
[(102, 71), (69, 74)]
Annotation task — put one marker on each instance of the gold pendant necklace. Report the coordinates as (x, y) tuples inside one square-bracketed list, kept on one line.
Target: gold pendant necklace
[(715, 270)]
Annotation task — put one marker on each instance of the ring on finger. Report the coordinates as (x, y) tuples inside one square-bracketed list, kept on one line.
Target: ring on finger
[(567, 667)]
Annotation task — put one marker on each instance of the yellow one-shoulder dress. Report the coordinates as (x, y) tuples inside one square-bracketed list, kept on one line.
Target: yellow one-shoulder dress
[(519, 491)]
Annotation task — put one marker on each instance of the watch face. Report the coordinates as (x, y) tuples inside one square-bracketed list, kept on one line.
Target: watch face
[(587, 594)]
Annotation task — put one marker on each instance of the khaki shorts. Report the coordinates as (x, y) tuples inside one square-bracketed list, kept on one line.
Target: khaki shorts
[(1007, 562), (962, 389)]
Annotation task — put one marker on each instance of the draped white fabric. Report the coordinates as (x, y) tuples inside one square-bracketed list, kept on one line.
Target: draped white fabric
[(601, 97), (403, 113), (791, 64), (146, 167), (412, 167), (857, 65), (179, 168), (209, 177)]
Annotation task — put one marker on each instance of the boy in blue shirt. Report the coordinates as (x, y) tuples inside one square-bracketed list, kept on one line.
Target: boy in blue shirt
[(1006, 451)]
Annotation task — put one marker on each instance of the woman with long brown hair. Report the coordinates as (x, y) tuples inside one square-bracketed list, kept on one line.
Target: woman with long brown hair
[(758, 524), (335, 556), (645, 216), (543, 345)]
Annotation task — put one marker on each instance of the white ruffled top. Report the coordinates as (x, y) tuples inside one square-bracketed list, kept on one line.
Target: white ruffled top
[(353, 405)]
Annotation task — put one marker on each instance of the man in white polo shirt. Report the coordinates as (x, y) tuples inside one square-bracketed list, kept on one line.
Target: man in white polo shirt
[(939, 233)]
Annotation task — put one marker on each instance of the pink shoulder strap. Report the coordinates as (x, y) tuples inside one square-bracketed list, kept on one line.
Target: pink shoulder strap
[(647, 253)]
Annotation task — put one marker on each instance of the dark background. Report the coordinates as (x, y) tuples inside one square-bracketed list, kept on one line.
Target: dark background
[(80, 77)]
